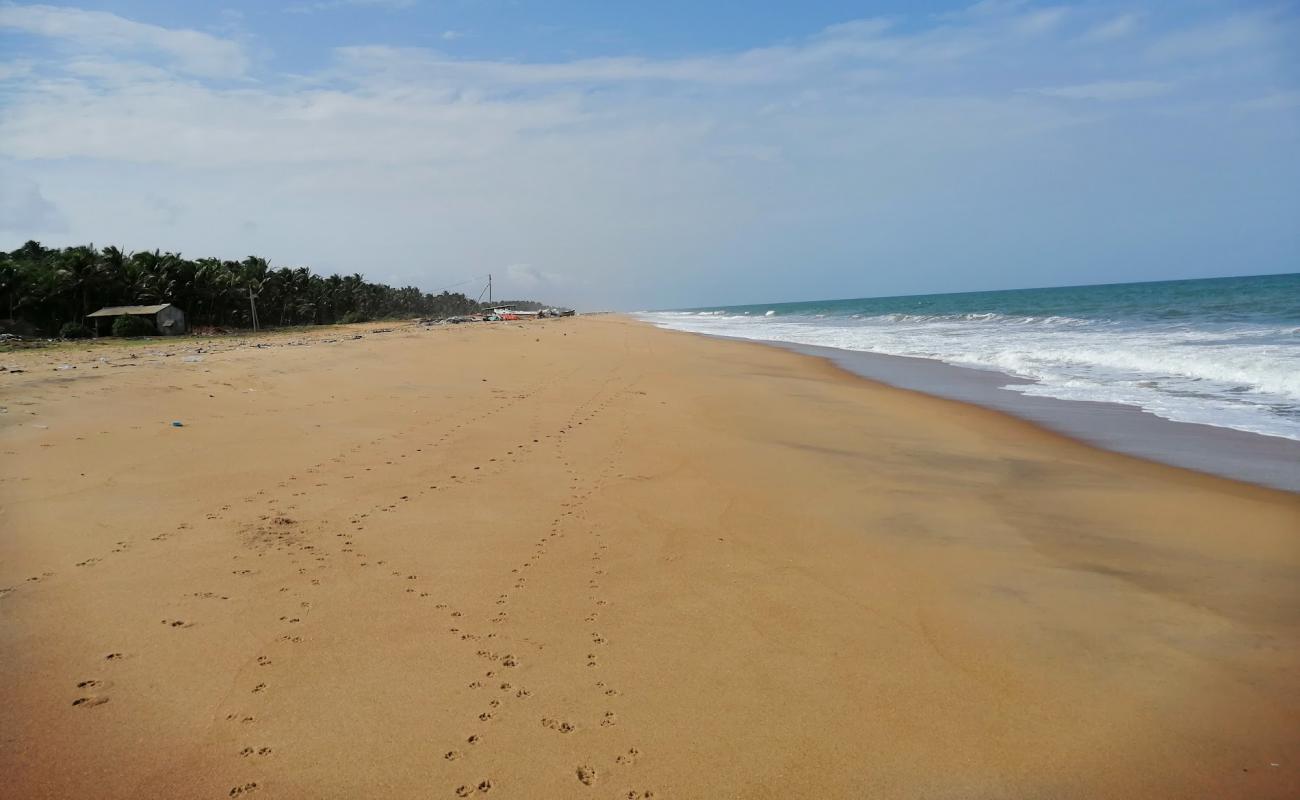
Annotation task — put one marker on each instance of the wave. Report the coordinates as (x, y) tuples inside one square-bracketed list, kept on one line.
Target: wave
[(990, 317), (1238, 376)]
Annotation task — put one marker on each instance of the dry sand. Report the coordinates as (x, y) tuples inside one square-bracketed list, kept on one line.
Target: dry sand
[(587, 558)]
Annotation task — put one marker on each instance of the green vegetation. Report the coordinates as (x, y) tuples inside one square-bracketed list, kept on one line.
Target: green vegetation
[(126, 326), (75, 330), (47, 288)]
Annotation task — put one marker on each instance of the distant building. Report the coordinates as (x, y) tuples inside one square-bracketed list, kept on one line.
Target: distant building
[(167, 319)]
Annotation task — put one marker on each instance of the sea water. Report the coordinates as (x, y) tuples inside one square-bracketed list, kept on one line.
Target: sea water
[(1223, 352)]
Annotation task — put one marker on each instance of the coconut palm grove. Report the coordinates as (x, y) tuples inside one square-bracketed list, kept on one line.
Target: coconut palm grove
[(49, 291)]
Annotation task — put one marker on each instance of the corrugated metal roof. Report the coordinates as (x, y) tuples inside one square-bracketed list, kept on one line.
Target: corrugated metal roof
[(117, 311)]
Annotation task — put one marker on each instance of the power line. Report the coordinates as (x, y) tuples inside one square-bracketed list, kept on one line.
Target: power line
[(462, 283)]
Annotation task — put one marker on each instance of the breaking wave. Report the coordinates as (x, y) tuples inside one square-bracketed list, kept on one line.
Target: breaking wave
[(1228, 364)]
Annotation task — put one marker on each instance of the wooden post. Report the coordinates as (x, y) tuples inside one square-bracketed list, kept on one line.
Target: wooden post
[(252, 305)]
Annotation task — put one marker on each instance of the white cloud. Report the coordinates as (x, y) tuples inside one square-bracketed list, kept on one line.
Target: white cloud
[(190, 51), (625, 180), (1041, 22), (1275, 101), (985, 8), (26, 212), (326, 5), (1107, 90), (838, 50), (1112, 29), (186, 124), (451, 36), (1241, 32), (169, 211), (530, 280), (121, 72), (16, 69), (391, 105)]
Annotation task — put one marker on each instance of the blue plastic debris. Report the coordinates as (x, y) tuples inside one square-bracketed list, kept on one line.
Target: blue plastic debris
[(177, 424)]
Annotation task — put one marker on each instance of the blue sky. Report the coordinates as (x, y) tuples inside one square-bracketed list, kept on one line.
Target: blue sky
[(664, 154)]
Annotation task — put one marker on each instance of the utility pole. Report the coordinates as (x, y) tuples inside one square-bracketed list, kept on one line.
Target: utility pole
[(489, 288), (252, 307)]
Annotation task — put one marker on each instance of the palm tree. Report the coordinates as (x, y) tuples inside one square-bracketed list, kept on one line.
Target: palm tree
[(77, 277), (45, 287)]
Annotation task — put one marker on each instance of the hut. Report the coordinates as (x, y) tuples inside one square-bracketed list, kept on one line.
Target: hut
[(167, 319)]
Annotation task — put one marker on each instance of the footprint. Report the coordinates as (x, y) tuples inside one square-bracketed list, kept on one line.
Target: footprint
[(90, 702), (629, 757), (586, 775), (246, 788)]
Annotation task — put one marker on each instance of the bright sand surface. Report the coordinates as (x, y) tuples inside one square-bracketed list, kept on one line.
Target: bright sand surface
[(588, 558)]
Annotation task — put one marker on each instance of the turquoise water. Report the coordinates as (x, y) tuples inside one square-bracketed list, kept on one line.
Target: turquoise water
[(1221, 351)]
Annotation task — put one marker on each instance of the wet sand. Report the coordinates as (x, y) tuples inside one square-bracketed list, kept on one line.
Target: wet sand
[(1271, 461), (589, 558)]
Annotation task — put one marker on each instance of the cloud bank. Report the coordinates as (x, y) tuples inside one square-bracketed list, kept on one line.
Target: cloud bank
[(1002, 144)]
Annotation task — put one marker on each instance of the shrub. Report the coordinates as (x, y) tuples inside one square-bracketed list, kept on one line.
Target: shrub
[(74, 330), (126, 325), (354, 316), (19, 327)]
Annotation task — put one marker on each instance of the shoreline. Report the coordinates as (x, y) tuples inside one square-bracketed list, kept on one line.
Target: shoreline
[(1253, 458), (588, 558)]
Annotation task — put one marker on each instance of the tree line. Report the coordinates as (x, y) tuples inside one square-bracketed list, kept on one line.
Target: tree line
[(45, 289)]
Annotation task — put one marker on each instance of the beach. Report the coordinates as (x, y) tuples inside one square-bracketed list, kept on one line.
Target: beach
[(591, 558)]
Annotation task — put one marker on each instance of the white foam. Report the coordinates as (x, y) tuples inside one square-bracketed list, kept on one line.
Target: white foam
[(1241, 377)]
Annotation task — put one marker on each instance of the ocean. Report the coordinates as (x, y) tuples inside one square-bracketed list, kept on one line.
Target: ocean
[(1222, 352)]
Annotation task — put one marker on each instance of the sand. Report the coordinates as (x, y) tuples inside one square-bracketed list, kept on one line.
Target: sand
[(588, 558)]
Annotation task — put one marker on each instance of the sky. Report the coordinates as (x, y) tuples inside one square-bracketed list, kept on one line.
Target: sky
[(669, 154)]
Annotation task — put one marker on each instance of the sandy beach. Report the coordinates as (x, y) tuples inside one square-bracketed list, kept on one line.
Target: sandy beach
[(589, 558)]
